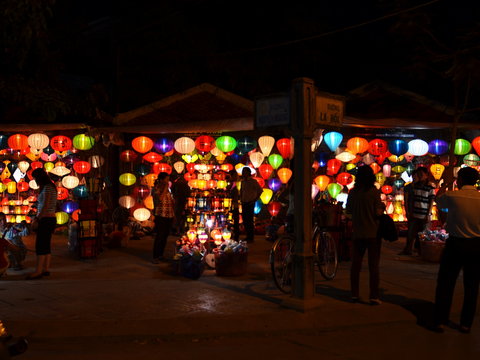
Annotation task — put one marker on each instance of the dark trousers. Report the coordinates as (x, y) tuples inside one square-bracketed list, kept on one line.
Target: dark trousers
[(247, 216), (46, 227), (459, 253), (373, 246), (162, 229), (414, 227), (236, 224)]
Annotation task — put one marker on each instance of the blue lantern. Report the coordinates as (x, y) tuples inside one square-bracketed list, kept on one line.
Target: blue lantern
[(142, 169), (70, 206), (258, 207), (80, 191), (321, 158), (398, 147), (71, 159), (235, 158), (3, 142), (409, 168), (333, 139), (437, 147), (245, 144), (274, 184), (163, 145), (398, 183)]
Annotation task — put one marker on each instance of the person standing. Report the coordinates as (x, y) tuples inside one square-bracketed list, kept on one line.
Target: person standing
[(45, 222), (234, 195), (180, 192), (365, 207), (419, 200), (250, 192), (164, 215), (462, 250)]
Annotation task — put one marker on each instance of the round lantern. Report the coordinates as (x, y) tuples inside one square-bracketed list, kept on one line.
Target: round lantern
[(476, 144), (96, 161), (437, 170), (471, 160), (245, 144), (417, 147), (322, 182), (462, 147), (62, 217), (275, 160), (284, 174), (344, 178), (333, 166), (226, 143), (397, 147), (163, 145), (284, 147), (256, 158), (190, 168), (61, 143), (152, 157), (82, 167), (142, 144), (142, 169), (266, 144), (70, 181), (274, 184), (179, 166), (334, 189), (62, 193), (22, 186), (49, 166), (265, 171), (127, 179), (386, 189), (345, 156), (83, 142), (377, 147), (18, 142), (70, 206), (80, 191), (38, 141), (204, 143), (333, 140), (357, 145), (184, 145), (148, 202), (126, 201), (128, 156), (266, 196), (274, 208), (141, 191), (158, 168), (141, 214), (437, 147)]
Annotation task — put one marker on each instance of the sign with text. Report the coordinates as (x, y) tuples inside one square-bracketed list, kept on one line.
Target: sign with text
[(272, 110), (329, 109)]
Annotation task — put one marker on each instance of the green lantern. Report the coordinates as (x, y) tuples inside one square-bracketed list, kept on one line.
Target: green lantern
[(462, 147), (83, 142), (62, 217), (127, 179), (334, 189), (398, 169), (471, 160), (275, 160), (226, 143)]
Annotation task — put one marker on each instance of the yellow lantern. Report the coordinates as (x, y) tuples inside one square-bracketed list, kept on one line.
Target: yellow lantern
[(437, 171), (150, 179), (221, 184), (350, 166), (395, 158), (284, 174), (3, 187), (11, 187), (201, 184), (239, 168), (266, 144), (266, 196), (226, 234), (191, 235), (322, 182), (380, 178), (49, 166), (398, 169), (127, 179), (141, 214), (62, 217)]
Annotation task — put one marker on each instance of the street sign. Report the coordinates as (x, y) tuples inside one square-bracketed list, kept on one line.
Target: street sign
[(272, 110), (329, 109)]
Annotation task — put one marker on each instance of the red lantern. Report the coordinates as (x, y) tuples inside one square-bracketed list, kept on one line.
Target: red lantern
[(205, 143), (387, 189), (22, 186), (152, 157), (190, 168), (161, 167), (141, 191), (189, 176), (284, 147), (76, 214), (344, 178), (377, 147), (476, 144), (333, 166), (142, 144), (274, 208), (226, 167), (128, 156), (211, 184), (62, 193), (82, 167), (36, 165), (260, 181), (18, 142), (381, 158), (61, 143), (219, 175), (357, 145), (265, 171)]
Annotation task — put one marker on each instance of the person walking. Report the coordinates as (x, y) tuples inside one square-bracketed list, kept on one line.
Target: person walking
[(44, 222), (234, 208), (250, 192), (365, 207), (462, 250), (164, 215), (419, 200)]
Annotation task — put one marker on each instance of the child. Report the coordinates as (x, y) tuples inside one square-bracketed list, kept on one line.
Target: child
[(14, 235), (5, 246)]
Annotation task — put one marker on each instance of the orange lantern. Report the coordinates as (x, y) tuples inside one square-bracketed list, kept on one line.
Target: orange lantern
[(333, 166), (322, 182), (284, 174), (375, 167), (260, 181), (152, 157), (150, 179), (162, 167), (357, 145), (61, 143), (148, 202), (62, 193), (284, 147), (142, 144), (189, 176), (437, 171), (82, 167), (18, 142)]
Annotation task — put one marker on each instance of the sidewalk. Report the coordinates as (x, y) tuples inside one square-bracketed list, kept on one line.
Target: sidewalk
[(121, 298)]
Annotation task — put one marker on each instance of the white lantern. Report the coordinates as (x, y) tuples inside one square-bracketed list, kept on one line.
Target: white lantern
[(23, 166), (70, 182), (418, 147), (256, 159), (96, 161), (126, 201), (179, 166), (315, 191), (216, 151), (141, 214), (184, 145), (405, 177), (33, 185), (60, 171), (345, 156), (342, 197), (38, 141), (266, 144)]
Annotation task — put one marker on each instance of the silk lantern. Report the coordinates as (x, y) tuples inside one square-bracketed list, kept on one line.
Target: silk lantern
[(333, 140), (398, 183), (397, 147), (142, 169), (345, 156), (149, 179), (48, 157), (38, 141), (128, 156), (23, 166), (152, 157), (274, 208), (141, 214), (387, 189), (387, 170), (60, 171), (380, 178), (83, 142), (266, 196), (417, 147), (265, 171), (48, 166), (322, 182), (377, 147), (22, 186), (61, 143), (126, 201), (344, 178), (204, 143), (18, 142), (163, 145), (266, 144), (142, 144), (471, 160), (333, 166), (127, 179), (437, 147), (96, 161), (476, 144), (70, 206), (82, 167), (315, 191), (437, 170), (179, 166), (357, 145), (398, 169), (80, 191), (62, 217), (256, 158), (375, 167), (462, 147), (70, 181), (226, 143), (62, 192), (275, 160), (284, 147), (274, 184), (245, 144), (284, 174), (334, 189)]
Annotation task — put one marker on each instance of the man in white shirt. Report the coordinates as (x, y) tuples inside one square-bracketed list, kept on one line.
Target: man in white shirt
[(462, 249)]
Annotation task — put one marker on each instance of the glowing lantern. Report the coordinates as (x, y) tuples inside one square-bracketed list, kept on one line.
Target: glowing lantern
[(377, 147), (476, 144), (126, 201), (190, 158), (82, 167), (266, 144), (375, 167), (60, 171), (345, 156), (437, 171), (22, 186), (284, 147), (344, 178), (38, 141), (333, 166), (128, 156), (62, 217), (70, 181), (142, 144), (152, 157), (76, 215), (387, 189), (398, 169), (471, 160), (226, 234), (161, 167), (245, 144), (179, 166), (357, 145), (163, 145), (398, 147), (80, 191), (274, 208), (417, 147), (48, 157), (62, 193), (256, 158), (18, 142), (127, 179), (395, 158), (70, 206), (398, 183), (275, 160), (387, 170), (190, 168), (274, 184), (437, 147), (141, 214), (83, 142), (226, 143), (333, 139), (284, 174), (48, 166), (222, 184), (322, 182), (409, 157), (380, 178), (266, 196), (260, 181), (96, 161), (265, 170), (11, 187), (334, 189), (23, 166), (462, 147), (205, 143), (315, 191), (61, 143), (227, 167)]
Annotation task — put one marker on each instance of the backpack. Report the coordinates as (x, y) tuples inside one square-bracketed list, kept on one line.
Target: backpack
[(387, 229)]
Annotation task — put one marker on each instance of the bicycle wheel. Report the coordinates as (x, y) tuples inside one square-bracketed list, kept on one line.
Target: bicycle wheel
[(281, 262), (326, 254)]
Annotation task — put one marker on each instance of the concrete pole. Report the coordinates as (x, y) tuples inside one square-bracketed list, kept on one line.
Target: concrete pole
[(303, 113)]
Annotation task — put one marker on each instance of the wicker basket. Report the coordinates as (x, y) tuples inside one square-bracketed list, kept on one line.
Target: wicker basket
[(431, 251)]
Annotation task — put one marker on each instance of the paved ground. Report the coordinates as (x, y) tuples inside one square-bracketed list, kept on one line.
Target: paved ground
[(120, 306)]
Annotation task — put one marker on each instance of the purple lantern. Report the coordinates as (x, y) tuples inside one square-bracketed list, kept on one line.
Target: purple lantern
[(70, 206), (437, 147), (274, 184), (163, 145), (398, 147)]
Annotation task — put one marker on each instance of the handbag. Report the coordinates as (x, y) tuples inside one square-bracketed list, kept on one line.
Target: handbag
[(387, 229)]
